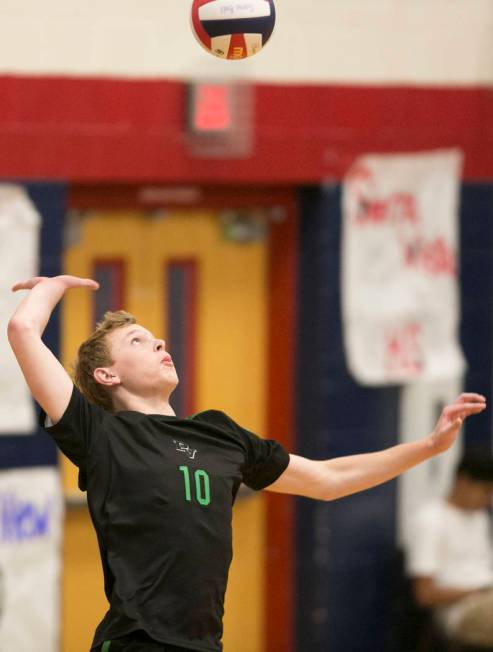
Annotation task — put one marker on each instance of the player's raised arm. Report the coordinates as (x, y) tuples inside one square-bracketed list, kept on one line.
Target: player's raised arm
[(330, 479), (48, 381)]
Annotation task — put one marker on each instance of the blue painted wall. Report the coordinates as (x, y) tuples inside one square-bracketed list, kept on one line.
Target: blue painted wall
[(476, 260), (346, 556)]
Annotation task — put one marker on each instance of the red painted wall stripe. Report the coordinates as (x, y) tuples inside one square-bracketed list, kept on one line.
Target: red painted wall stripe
[(182, 195), (279, 575), (84, 129)]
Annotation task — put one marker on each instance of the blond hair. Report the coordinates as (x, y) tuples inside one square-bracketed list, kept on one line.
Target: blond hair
[(95, 352)]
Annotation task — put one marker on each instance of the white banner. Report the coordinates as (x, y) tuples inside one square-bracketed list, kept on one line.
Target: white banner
[(400, 298), (30, 539), (19, 236)]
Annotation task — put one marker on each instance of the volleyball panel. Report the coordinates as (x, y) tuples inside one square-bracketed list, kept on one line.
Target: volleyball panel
[(247, 23)]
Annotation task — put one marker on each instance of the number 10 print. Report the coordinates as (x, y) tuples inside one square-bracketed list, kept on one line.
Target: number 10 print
[(201, 483)]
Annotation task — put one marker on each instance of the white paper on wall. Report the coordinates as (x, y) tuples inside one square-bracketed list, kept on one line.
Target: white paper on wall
[(31, 512), (400, 299), (19, 242)]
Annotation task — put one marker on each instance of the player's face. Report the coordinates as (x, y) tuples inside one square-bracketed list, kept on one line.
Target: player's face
[(141, 361)]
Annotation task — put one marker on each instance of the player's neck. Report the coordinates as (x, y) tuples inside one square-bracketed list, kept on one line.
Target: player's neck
[(146, 404)]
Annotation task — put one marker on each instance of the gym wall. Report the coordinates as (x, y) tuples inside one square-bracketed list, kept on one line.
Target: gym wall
[(321, 41), (99, 99)]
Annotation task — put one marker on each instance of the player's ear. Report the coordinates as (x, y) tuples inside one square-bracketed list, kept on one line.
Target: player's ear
[(105, 376)]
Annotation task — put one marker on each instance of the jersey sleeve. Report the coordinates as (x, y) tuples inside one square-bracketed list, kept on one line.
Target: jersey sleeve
[(423, 546), (74, 432), (266, 460)]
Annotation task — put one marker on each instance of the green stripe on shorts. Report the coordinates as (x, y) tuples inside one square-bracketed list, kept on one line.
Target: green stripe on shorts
[(106, 646)]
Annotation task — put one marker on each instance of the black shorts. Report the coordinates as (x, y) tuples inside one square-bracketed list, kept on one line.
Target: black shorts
[(138, 642)]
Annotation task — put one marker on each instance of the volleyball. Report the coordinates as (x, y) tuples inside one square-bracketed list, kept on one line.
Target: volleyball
[(233, 29)]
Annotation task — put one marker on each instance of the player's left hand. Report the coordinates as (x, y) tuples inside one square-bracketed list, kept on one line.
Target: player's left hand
[(66, 280), (452, 418)]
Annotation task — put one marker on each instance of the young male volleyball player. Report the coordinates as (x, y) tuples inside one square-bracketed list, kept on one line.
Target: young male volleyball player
[(160, 487)]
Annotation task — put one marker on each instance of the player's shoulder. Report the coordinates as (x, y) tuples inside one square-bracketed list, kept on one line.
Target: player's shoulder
[(78, 408), (213, 417), (222, 422)]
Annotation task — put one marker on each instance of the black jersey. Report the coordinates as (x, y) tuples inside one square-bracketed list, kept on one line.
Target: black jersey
[(160, 491)]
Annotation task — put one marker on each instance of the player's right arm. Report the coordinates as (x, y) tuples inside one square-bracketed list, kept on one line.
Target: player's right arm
[(50, 384), (343, 476)]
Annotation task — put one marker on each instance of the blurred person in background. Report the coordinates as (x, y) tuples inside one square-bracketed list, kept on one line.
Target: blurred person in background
[(450, 554)]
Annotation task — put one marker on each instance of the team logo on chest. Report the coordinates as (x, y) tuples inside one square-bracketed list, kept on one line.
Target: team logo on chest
[(185, 448)]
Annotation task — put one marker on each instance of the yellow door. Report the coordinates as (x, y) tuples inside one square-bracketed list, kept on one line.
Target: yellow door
[(144, 262)]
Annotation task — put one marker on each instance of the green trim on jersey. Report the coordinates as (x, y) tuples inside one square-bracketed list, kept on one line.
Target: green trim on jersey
[(106, 646)]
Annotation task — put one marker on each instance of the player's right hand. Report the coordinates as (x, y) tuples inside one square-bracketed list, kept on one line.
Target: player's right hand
[(65, 279)]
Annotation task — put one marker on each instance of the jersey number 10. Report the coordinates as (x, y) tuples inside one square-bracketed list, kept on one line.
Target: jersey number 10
[(201, 484)]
